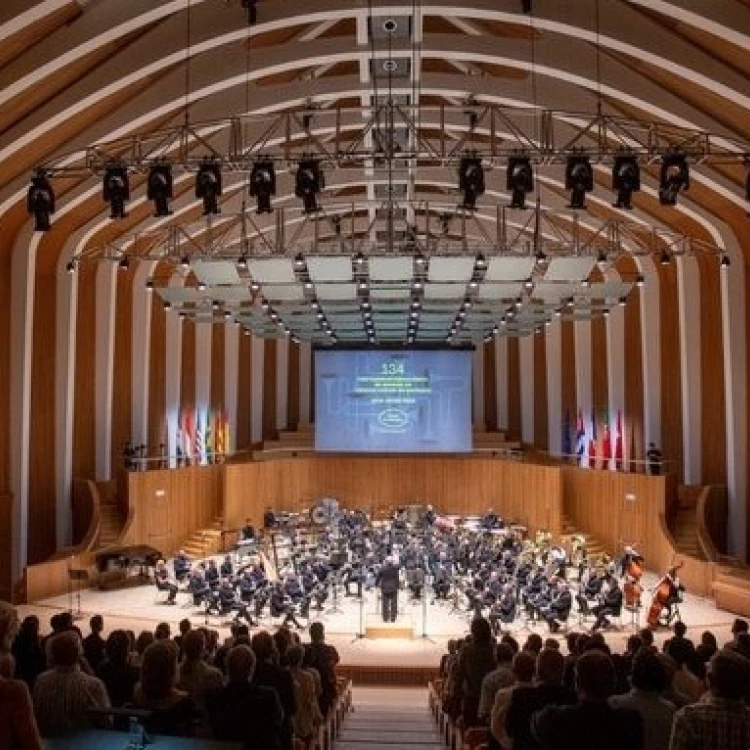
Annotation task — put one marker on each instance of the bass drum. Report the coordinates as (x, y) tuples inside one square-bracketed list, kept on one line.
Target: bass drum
[(319, 515)]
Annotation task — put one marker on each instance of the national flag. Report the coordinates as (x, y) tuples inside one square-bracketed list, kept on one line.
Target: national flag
[(567, 448), (618, 442), (592, 442), (210, 435), (200, 440), (606, 443), (188, 431), (580, 438), (178, 442)]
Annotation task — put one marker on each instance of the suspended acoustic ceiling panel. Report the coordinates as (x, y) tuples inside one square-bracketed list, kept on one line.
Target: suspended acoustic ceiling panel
[(509, 269), (569, 269), (330, 268), (389, 292), (272, 270), (178, 295), (608, 290), (231, 294), (451, 268), (336, 291), (213, 272), (398, 268), (445, 291), (553, 292), (283, 292), (500, 290)]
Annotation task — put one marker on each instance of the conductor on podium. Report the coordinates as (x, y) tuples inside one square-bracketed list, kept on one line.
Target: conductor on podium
[(388, 581)]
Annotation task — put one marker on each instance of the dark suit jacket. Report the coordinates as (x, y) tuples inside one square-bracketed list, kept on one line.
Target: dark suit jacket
[(241, 712), (589, 725), (388, 579), (561, 606), (524, 703), (269, 675)]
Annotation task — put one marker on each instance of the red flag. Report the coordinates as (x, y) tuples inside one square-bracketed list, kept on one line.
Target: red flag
[(606, 444), (618, 443), (592, 442)]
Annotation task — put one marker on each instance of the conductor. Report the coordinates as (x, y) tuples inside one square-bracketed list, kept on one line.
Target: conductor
[(388, 582)]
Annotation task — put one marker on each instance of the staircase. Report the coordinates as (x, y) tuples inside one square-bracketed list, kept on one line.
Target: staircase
[(684, 529), (205, 542), (110, 524), (594, 547), (389, 719)]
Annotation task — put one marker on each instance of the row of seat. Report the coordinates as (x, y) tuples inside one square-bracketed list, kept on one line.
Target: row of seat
[(331, 727), (455, 735)]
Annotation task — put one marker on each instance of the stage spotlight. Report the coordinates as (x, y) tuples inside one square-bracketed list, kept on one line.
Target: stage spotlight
[(124, 263), (579, 179), (626, 180), (40, 201), (725, 262), (251, 6), (639, 280), (665, 258), (116, 189), (674, 177), (159, 188), (263, 185), (70, 266), (526, 6), (308, 183), (208, 186), (471, 181), (519, 180)]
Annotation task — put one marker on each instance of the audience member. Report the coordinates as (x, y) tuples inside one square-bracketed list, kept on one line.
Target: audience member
[(706, 648), (500, 677), (672, 694), (475, 661), (591, 724), (649, 681), (18, 728), (243, 711), (28, 652), (681, 651), (185, 626), (523, 674), (721, 720), (174, 712), (64, 695), (322, 657), (116, 672), (308, 717), (195, 676), (93, 643), (526, 701)]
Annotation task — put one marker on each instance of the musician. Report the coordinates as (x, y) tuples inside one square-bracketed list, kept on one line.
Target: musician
[(441, 583), (212, 574), (181, 566), (354, 574), (591, 590), (198, 586), (227, 567), (281, 604), (558, 610), (612, 605), (269, 519), (429, 517), (388, 581), (164, 582), (629, 555), (247, 585), (490, 520), (248, 532), (503, 610), (674, 591), (227, 601), (415, 580)]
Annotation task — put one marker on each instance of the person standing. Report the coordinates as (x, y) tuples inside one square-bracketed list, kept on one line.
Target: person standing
[(388, 582), (654, 458)]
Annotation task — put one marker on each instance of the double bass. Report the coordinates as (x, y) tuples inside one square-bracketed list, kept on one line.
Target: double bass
[(664, 591), (633, 572)]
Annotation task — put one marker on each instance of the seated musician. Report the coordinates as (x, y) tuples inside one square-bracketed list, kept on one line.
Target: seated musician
[(441, 584), (227, 567), (228, 602), (355, 575), (247, 585), (293, 589), (559, 607), (674, 597), (591, 590), (629, 555), (415, 581), (164, 582), (611, 606), (269, 519), (281, 604), (181, 566), (248, 532), (429, 517), (503, 610), (319, 594), (213, 576), (198, 586), (490, 520)]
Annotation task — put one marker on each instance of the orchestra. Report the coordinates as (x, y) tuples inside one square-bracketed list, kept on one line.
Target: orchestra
[(481, 566)]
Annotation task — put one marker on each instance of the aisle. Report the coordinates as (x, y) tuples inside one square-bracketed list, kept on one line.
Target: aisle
[(389, 718)]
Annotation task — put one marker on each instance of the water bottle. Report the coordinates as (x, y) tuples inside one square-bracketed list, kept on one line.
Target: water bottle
[(135, 735)]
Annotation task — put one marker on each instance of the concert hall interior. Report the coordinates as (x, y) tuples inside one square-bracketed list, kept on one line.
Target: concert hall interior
[(449, 296)]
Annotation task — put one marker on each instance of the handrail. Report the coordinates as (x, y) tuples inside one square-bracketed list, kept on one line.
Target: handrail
[(707, 500)]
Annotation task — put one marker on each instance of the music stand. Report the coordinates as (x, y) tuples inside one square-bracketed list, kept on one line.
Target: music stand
[(75, 577)]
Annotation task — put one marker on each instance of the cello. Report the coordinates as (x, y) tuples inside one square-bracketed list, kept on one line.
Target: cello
[(633, 572), (664, 590)]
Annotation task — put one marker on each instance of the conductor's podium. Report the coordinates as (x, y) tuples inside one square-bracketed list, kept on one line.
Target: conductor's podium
[(375, 628)]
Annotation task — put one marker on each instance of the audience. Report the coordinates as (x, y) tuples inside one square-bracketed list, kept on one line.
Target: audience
[(196, 677), (476, 660), (28, 652), (308, 716), (116, 671), (523, 674), (323, 658), (65, 694), (500, 677), (93, 643)]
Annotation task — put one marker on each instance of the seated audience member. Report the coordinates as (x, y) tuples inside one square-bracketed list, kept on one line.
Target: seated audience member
[(93, 643), (269, 674), (721, 720), (174, 712), (683, 680), (142, 642), (116, 672), (526, 701), (28, 652), (308, 718), (322, 657), (195, 676), (680, 632), (18, 727), (500, 677), (184, 626), (476, 660), (64, 695), (649, 681), (162, 632), (591, 724), (523, 673), (672, 694), (243, 711), (706, 648)]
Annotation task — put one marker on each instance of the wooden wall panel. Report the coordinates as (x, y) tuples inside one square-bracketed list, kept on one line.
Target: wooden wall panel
[(527, 493), (633, 424), (84, 413), (187, 371), (541, 416), (514, 390), (216, 399), (568, 369), (5, 357), (123, 370), (671, 386), (292, 398), (713, 404), (490, 387), (244, 401), (6, 534), (269, 390), (42, 511), (157, 393)]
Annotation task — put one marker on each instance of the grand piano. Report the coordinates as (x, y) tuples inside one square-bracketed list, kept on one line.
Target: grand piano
[(127, 565)]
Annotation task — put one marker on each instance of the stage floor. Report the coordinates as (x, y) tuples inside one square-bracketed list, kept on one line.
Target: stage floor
[(139, 608)]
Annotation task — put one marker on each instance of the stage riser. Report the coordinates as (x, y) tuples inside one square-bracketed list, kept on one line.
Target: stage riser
[(391, 676)]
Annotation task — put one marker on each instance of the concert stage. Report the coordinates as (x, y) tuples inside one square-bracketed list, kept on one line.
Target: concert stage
[(432, 625)]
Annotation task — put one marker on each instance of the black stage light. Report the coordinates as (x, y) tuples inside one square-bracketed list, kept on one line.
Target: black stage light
[(208, 186), (579, 179), (116, 189), (263, 185), (626, 180), (251, 6), (519, 180), (308, 183), (526, 6), (40, 201), (160, 188), (674, 177), (471, 181)]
